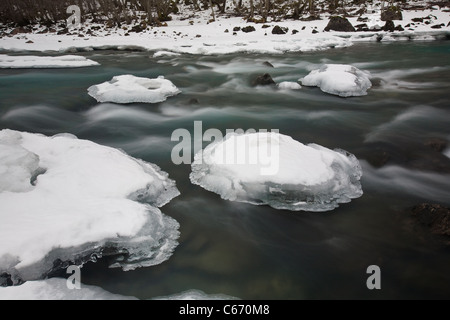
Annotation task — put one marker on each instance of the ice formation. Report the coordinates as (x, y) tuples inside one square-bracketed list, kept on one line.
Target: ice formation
[(273, 169), (339, 79), (195, 295), (65, 199), (131, 89), (56, 289), (289, 85), (38, 62)]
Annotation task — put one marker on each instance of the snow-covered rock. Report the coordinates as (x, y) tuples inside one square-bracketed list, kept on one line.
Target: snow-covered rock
[(163, 53), (131, 89), (22, 62), (56, 289), (289, 85), (68, 199), (273, 169), (339, 79)]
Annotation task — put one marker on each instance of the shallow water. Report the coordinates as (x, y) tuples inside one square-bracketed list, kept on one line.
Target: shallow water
[(256, 252)]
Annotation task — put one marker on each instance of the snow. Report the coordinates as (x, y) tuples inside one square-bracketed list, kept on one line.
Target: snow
[(195, 295), (65, 198), (131, 89), (273, 169), (201, 37), (56, 289), (165, 54), (339, 79), (289, 85), (22, 62)]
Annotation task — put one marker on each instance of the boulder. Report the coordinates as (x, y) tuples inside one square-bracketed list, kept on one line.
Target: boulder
[(389, 26), (391, 13), (236, 29), (263, 80), (268, 64), (279, 30), (248, 29), (338, 23), (437, 144)]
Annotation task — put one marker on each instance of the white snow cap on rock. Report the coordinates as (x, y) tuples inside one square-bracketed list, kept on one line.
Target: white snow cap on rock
[(56, 289), (38, 62), (131, 89), (307, 177), (339, 79), (289, 85), (65, 198)]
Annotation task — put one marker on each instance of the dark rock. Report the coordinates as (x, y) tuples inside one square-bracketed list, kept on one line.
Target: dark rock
[(304, 27), (139, 28), (19, 30), (448, 24), (248, 29), (198, 36), (337, 23), (408, 25), (81, 35), (193, 101), (399, 28), (361, 19), (5, 280), (438, 26), (234, 33), (315, 31), (434, 217), (311, 18), (417, 19), (389, 26), (268, 64), (362, 27), (263, 80), (265, 26), (226, 31), (236, 29), (391, 13), (29, 41), (279, 30), (294, 31), (64, 31), (427, 22), (437, 144)]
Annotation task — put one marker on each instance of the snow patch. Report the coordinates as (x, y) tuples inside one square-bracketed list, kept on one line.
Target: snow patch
[(307, 177), (289, 85), (65, 198), (22, 62), (195, 295), (131, 89), (339, 79), (56, 289)]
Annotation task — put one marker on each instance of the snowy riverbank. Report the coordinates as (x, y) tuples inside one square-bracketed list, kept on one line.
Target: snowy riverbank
[(192, 34)]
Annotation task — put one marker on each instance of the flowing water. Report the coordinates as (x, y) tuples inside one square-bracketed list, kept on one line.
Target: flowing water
[(256, 252)]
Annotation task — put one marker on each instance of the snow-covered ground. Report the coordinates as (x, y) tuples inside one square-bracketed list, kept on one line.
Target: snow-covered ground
[(69, 61), (195, 35)]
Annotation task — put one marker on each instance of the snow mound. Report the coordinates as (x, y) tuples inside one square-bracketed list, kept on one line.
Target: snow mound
[(196, 295), (65, 199), (163, 53), (22, 62), (273, 169), (339, 79), (131, 89), (56, 289), (289, 85)]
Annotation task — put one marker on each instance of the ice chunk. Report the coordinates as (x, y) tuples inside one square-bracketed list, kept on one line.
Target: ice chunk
[(273, 169), (339, 79), (83, 197), (22, 62), (196, 295), (56, 289), (163, 53), (131, 89), (289, 85)]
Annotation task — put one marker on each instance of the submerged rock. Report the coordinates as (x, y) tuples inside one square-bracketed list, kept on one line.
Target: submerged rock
[(263, 80), (434, 217)]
